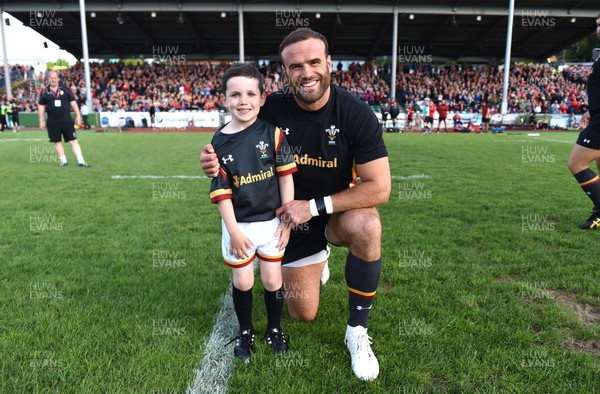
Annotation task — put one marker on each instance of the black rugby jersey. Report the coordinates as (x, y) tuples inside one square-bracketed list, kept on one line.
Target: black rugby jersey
[(61, 113), (327, 143), (593, 87), (251, 160)]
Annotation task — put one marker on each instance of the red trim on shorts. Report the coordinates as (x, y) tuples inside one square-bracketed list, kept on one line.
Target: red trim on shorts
[(241, 264), (270, 259)]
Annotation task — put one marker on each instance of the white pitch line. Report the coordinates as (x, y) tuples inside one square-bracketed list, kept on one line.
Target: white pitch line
[(561, 141), (415, 176), (212, 375), (23, 139), (535, 140)]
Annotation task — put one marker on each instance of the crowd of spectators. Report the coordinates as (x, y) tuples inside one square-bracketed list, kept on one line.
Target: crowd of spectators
[(533, 88)]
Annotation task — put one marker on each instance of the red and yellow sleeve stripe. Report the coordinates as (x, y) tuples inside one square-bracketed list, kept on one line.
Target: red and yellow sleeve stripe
[(286, 169), (220, 194), (278, 138), (354, 175)]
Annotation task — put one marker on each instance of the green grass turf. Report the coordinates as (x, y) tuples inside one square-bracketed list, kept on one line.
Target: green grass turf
[(113, 285)]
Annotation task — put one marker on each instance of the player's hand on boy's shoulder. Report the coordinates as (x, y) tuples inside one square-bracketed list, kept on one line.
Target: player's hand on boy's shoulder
[(209, 161)]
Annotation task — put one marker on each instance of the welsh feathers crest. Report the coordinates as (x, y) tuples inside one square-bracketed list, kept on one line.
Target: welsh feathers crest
[(332, 132), (262, 147)]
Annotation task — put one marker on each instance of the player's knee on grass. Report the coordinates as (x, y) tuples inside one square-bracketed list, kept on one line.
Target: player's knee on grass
[(301, 288), (302, 310)]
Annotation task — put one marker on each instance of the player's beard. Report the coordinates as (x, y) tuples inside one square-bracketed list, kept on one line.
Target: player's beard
[(312, 96)]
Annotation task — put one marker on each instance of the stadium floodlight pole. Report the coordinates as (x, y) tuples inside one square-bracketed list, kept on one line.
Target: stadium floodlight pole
[(86, 56), (241, 31), (6, 70), (394, 54), (511, 14)]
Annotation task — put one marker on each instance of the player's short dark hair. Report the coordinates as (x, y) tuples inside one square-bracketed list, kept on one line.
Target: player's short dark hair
[(302, 34), (242, 70)]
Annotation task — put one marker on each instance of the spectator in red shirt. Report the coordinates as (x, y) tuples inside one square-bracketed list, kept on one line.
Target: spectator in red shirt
[(432, 109), (486, 114), (458, 125), (443, 109)]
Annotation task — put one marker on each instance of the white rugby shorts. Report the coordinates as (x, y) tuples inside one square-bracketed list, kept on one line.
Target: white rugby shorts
[(263, 239)]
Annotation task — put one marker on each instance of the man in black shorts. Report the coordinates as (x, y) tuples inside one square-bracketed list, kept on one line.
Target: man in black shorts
[(587, 148), (333, 137), (58, 101)]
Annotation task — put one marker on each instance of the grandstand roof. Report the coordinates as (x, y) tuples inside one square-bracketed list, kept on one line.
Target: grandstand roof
[(356, 29)]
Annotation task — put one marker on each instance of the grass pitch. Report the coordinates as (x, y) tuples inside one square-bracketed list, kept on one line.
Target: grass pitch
[(113, 285)]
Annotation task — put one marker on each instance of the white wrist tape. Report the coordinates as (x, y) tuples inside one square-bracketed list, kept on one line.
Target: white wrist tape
[(312, 206), (328, 205)]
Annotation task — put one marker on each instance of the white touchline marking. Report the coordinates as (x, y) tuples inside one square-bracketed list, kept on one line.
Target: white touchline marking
[(536, 140), (560, 141), (212, 375), (23, 139), (415, 176)]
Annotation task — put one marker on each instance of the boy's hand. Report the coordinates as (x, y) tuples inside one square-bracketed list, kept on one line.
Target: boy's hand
[(239, 245), (283, 232), (209, 161)]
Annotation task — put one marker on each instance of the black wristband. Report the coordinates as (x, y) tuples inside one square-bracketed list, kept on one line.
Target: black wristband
[(320, 203)]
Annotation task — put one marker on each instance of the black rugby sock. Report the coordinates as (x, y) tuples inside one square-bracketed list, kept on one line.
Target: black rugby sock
[(242, 303), (274, 305), (590, 183), (362, 278)]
